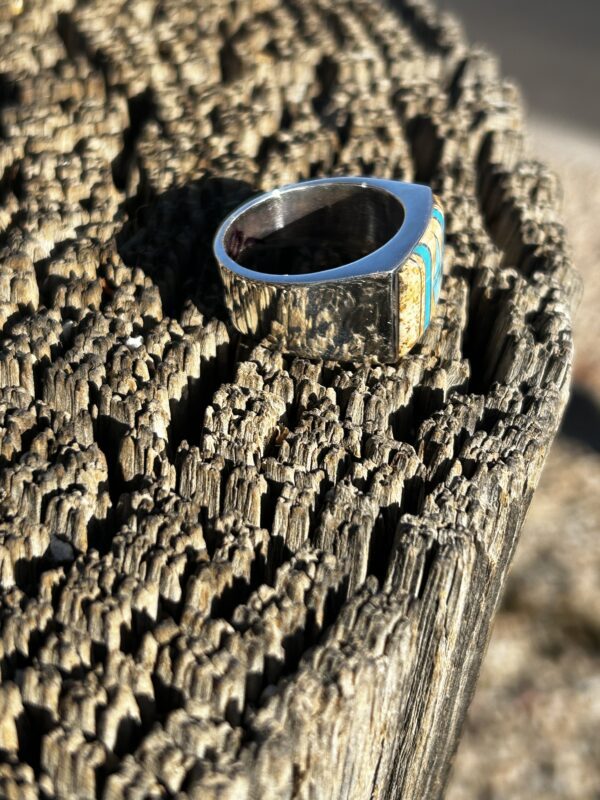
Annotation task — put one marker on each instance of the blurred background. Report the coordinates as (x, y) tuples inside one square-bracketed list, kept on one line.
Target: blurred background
[(533, 730), (550, 47)]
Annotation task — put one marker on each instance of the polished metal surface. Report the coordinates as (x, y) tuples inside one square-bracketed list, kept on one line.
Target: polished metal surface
[(314, 267)]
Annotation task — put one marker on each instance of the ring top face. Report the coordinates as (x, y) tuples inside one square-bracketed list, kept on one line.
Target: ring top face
[(342, 268)]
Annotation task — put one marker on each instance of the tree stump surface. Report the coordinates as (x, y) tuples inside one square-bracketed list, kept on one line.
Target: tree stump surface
[(226, 572)]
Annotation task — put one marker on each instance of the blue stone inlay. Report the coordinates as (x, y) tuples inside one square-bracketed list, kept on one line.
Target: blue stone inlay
[(423, 251)]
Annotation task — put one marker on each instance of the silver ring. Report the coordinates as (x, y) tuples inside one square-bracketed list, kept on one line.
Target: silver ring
[(336, 268)]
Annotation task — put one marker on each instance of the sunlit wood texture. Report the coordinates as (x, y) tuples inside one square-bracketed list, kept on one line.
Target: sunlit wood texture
[(226, 573)]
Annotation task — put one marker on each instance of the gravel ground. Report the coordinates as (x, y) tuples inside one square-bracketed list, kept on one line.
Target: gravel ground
[(532, 730)]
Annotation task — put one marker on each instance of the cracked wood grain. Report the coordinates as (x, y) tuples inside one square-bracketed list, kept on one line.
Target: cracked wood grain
[(225, 572)]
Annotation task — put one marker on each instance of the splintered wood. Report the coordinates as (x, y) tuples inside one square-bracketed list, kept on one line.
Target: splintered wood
[(225, 572)]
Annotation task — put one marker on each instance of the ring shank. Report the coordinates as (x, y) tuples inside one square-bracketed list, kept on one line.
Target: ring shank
[(344, 320)]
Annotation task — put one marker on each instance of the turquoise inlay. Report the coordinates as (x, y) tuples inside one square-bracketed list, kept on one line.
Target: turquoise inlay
[(423, 251), (439, 216), (437, 281)]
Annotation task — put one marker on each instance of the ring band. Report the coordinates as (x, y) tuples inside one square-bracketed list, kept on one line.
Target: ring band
[(343, 268)]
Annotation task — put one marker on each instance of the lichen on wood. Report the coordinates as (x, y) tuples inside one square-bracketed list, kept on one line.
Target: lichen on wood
[(224, 571)]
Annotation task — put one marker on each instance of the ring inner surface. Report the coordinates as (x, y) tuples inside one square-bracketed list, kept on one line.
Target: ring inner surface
[(316, 228)]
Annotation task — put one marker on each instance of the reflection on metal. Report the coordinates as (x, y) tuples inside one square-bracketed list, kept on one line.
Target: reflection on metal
[(341, 268)]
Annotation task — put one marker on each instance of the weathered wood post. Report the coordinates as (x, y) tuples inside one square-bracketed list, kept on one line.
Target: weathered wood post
[(225, 572)]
